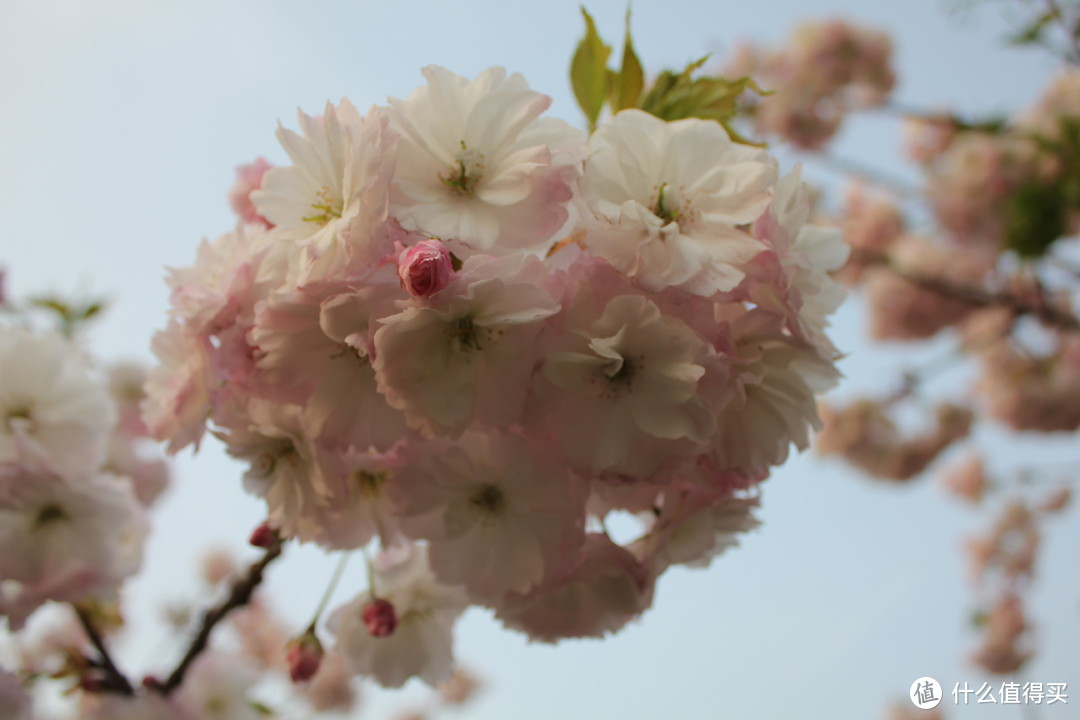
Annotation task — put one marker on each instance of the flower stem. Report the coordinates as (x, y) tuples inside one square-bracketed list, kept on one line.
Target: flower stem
[(334, 580)]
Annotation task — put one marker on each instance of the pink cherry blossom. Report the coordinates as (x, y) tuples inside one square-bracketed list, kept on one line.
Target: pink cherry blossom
[(466, 353), (499, 513), (606, 589), (248, 178)]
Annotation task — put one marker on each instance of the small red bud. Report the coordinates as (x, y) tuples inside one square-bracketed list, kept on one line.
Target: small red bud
[(304, 655), (264, 536), (380, 618)]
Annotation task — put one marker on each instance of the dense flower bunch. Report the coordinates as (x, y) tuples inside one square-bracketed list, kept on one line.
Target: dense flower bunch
[(466, 332), (822, 72)]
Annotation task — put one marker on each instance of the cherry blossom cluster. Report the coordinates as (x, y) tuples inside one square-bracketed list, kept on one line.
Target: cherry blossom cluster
[(75, 477), (991, 272), (1002, 563), (823, 71), (467, 333)]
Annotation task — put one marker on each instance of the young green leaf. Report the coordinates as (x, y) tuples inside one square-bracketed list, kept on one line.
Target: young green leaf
[(588, 71), (630, 81)]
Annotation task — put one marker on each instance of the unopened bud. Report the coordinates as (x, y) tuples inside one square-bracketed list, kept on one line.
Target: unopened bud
[(304, 654), (425, 268), (380, 618), (264, 536)]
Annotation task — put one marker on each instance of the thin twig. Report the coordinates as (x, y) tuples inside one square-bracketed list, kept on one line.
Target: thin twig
[(871, 175), (114, 680), (239, 596), (1073, 54)]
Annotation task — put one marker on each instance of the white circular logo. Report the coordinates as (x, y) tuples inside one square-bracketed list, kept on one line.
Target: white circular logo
[(925, 693)]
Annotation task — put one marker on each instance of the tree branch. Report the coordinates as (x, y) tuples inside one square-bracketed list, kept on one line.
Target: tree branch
[(239, 596), (874, 176), (1047, 313), (114, 680), (1072, 33)]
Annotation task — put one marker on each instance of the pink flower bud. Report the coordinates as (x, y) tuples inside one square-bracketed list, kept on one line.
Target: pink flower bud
[(380, 618), (264, 536), (425, 268), (304, 655)]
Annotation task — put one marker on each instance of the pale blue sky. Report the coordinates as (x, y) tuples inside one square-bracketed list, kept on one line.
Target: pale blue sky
[(122, 123)]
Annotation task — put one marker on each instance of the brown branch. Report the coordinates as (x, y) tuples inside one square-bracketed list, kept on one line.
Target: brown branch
[(1047, 313), (1072, 31), (239, 596), (113, 680)]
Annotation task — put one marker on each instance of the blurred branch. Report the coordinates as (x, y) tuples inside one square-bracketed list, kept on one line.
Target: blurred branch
[(240, 595), (113, 680), (1072, 30), (874, 176), (1048, 314)]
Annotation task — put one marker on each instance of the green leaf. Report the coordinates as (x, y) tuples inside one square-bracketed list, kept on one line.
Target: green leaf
[(675, 96), (628, 84), (56, 305), (738, 137), (92, 310), (1034, 218), (589, 73)]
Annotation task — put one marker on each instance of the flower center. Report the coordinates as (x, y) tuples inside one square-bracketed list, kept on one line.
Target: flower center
[(370, 484), (618, 376), (670, 205), (278, 450), (464, 178), (465, 334), (48, 515), (489, 501), (327, 207), (346, 350)]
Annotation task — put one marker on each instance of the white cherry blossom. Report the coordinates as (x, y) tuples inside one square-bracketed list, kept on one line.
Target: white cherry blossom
[(50, 398), (667, 200), (478, 164), (331, 200), (422, 643)]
